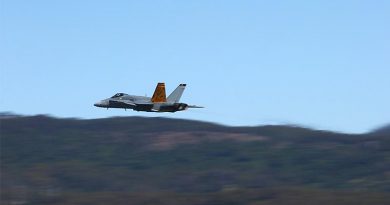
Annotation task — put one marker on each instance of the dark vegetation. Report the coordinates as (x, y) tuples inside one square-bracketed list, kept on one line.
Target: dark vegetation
[(385, 130), (133, 160)]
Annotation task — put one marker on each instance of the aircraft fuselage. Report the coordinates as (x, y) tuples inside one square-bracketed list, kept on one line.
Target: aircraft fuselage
[(140, 103)]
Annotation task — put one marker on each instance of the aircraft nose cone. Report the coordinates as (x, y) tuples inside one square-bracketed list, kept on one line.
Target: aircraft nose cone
[(102, 103)]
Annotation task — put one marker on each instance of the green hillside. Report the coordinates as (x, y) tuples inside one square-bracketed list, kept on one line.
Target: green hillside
[(134, 160)]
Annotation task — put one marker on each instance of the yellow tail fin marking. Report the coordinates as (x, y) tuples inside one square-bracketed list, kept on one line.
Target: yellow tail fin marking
[(159, 94)]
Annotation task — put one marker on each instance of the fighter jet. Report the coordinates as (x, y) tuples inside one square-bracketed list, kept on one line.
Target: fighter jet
[(158, 103)]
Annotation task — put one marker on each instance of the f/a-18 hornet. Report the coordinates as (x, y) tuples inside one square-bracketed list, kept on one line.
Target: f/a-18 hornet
[(158, 103)]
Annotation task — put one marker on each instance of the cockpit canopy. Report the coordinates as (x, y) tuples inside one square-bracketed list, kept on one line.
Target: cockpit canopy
[(118, 95)]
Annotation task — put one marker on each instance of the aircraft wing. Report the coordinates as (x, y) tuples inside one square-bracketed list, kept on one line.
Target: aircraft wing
[(127, 102)]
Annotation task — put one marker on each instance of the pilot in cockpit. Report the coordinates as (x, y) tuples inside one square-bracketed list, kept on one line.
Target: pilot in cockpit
[(117, 95)]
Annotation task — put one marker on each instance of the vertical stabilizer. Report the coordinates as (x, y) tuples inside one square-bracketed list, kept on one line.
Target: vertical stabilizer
[(175, 96), (159, 94)]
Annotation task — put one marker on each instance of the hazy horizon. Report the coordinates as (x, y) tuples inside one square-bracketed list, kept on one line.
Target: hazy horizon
[(206, 121)]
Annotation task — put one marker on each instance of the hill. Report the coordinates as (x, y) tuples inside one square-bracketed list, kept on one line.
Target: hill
[(46, 160), (385, 130)]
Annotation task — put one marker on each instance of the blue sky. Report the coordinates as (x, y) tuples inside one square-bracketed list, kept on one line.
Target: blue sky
[(321, 64)]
